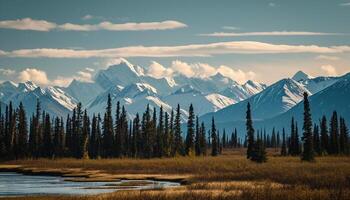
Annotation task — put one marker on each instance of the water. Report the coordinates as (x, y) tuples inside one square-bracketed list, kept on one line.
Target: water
[(15, 184)]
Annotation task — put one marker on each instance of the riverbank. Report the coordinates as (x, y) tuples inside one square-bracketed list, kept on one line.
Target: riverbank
[(229, 176)]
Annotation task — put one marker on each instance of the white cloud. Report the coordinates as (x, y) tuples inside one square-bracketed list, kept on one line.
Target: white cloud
[(87, 17), (329, 69), (190, 50), (7, 72), (159, 71), (325, 57), (42, 25), (28, 24), (35, 75), (198, 70), (40, 77), (61, 81), (230, 28), (271, 4), (345, 4), (272, 33), (89, 69)]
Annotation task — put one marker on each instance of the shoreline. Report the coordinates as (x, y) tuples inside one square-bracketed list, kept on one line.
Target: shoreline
[(81, 175)]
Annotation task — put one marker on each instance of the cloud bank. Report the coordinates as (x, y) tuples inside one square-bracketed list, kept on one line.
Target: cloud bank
[(42, 25), (198, 70), (273, 33), (190, 50)]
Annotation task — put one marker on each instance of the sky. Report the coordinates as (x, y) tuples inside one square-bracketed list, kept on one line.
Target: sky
[(54, 42)]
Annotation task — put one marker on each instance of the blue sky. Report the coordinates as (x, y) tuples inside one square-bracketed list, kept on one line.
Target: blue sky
[(260, 40)]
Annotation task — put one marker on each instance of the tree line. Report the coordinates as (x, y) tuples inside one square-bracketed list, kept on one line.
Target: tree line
[(316, 139), (113, 135)]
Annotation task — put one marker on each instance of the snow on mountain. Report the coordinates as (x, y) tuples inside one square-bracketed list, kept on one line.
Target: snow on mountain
[(300, 75), (61, 97), (121, 74), (27, 86), (134, 97), (7, 89), (333, 98), (315, 85), (274, 100), (202, 103), (252, 87), (83, 91), (53, 99), (219, 101)]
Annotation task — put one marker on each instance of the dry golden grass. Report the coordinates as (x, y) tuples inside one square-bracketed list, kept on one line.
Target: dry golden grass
[(229, 176)]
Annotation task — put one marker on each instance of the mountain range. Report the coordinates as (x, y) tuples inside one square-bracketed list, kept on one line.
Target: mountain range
[(216, 96), (130, 85)]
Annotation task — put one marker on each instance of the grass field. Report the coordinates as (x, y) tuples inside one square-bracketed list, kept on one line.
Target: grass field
[(229, 176)]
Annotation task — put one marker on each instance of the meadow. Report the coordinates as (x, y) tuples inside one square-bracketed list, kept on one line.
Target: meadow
[(228, 176)]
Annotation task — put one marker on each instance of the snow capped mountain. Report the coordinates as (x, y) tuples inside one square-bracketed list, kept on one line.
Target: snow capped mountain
[(315, 85), (274, 100), (7, 89), (121, 74), (83, 91), (53, 99), (252, 87), (333, 98), (202, 103), (300, 75), (135, 97)]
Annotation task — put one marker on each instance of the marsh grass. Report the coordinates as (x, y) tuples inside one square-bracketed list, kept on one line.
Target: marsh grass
[(229, 176)]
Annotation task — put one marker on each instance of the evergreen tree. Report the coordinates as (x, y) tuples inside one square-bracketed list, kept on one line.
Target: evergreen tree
[(203, 142), (160, 134), (284, 145), (316, 141), (343, 137), (22, 141), (47, 146), (190, 132), (334, 135), (166, 138), (214, 139), (178, 146), (108, 135), (84, 144), (250, 132), (308, 150), (198, 138), (259, 152), (324, 136)]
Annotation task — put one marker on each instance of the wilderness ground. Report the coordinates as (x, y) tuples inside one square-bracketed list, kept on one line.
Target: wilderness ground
[(228, 176)]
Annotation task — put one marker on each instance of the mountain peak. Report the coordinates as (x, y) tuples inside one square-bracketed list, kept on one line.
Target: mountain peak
[(300, 75)]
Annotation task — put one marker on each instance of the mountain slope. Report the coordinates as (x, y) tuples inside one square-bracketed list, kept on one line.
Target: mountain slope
[(203, 103), (83, 91), (274, 100)]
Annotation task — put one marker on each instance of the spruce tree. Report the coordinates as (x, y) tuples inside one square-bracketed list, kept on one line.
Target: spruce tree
[(334, 135), (284, 144), (198, 138), (22, 142), (178, 145), (259, 152), (343, 137), (324, 136), (316, 141), (250, 132), (308, 149), (160, 134), (214, 139), (108, 135), (84, 154), (203, 142), (190, 133)]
